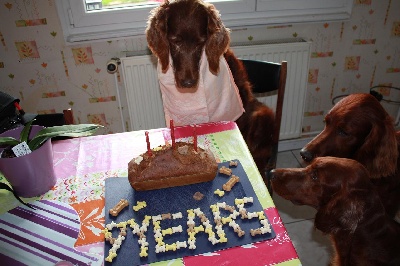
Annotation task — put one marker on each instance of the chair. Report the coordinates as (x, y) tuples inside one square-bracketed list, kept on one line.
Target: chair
[(12, 115), (56, 119), (68, 116), (269, 77)]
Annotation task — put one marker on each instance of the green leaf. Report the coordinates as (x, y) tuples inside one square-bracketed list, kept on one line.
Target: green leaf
[(85, 133), (6, 187), (67, 129), (80, 130), (24, 136), (8, 141)]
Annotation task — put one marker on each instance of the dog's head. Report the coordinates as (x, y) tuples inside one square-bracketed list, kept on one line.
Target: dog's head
[(183, 29), (317, 183), (359, 128), (338, 188)]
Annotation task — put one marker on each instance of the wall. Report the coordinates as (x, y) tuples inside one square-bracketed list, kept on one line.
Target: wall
[(48, 76)]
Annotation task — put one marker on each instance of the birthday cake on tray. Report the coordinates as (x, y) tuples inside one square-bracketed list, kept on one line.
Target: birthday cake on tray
[(171, 165), (143, 227), (202, 216)]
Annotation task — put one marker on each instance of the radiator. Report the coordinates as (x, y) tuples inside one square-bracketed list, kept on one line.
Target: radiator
[(143, 94), (144, 97)]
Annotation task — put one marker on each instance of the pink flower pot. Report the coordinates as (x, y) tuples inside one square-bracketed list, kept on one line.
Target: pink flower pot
[(33, 174)]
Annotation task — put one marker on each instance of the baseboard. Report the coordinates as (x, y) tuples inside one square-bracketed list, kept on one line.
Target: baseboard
[(293, 144)]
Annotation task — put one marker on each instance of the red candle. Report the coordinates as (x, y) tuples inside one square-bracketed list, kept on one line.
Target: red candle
[(171, 126), (194, 138), (148, 143)]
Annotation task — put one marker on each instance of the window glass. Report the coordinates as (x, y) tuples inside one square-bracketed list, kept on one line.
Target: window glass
[(86, 20)]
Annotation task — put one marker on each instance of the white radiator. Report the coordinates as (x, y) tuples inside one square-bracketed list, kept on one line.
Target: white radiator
[(143, 94), (144, 97), (297, 54)]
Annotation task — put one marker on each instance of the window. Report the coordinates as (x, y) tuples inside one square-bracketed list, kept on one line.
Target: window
[(86, 20)]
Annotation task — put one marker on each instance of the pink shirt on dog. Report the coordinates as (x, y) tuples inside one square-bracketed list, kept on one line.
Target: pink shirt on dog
[(216, 99)]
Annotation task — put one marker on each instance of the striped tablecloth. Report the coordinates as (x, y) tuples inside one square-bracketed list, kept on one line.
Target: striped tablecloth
[(32, 237)]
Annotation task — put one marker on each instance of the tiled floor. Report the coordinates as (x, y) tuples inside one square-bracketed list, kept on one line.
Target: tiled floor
[(313, 248)]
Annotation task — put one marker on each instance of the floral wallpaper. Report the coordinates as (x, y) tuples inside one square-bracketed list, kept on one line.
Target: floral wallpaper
[(48, 76)]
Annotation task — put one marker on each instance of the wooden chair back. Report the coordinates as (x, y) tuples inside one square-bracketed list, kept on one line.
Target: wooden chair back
[(269, 77)]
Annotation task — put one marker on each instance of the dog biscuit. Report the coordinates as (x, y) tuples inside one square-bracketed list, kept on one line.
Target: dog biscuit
[(233, 164), (165, 216), (231, 182), (118, 207), (254, 232), (139, 205), (224, 170), (219, 192), (198, 196)]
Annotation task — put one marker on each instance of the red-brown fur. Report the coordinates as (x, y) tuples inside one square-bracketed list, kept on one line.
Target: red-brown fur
[(359, 128), (348, 209), (182, 29)]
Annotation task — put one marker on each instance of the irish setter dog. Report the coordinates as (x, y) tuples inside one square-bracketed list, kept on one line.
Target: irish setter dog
[(359, 128), (348, 209), (181, 30)]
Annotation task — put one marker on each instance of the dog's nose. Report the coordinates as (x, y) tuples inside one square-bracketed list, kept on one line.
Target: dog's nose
[(188, 83), (306, 155)]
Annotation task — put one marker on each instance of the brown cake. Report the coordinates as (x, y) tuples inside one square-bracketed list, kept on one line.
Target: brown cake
[(171, 167)]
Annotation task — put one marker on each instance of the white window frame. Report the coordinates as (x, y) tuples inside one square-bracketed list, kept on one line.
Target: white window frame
[(81, 26)]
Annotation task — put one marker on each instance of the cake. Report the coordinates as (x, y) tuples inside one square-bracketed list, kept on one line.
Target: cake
[(167, 166)]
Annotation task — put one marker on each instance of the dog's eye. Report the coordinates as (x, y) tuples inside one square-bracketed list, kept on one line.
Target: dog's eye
[(343, 133), (314, 175), (175, 40), (201, 40)]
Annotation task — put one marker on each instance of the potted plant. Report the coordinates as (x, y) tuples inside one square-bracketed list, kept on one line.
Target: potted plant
[(30, 172)]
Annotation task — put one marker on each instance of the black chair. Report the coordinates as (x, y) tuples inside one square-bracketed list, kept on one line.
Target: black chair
[(56, 119), (12, 115), (268, 77)]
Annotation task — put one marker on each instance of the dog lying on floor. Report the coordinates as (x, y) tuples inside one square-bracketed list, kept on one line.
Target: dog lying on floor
[(348, 209), (192, 46), (359, 128)]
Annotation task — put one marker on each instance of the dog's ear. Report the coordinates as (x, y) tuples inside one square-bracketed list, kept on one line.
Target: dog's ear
[(341, 213), (156, 34), (379, 152), (259, 129), (217, 41)]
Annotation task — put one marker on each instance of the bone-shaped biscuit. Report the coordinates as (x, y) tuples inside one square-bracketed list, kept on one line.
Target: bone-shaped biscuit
[(226, 171), (254, 232), (118, 207), (233, 164), (231, 182)]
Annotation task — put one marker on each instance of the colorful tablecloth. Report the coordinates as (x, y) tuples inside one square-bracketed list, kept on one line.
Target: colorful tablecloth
[(82, 165)]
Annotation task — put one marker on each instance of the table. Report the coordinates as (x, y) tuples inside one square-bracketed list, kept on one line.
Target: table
[(74, 208)]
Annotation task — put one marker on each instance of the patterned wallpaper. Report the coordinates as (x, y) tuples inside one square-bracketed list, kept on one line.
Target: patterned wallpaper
[(49, 76)]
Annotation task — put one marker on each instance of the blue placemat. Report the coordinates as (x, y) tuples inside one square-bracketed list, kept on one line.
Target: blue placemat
[(174, 200)]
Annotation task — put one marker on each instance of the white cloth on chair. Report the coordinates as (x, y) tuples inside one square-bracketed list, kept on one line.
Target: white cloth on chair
[(216, 98)]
